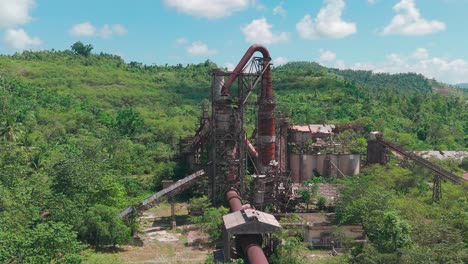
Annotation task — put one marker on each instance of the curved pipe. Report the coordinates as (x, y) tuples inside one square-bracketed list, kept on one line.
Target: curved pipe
[(266, 109), (250, 244), (240, 66), (234, 201)]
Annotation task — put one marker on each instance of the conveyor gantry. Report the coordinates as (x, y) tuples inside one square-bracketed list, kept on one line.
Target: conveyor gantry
[(172, 190), (423, 162)]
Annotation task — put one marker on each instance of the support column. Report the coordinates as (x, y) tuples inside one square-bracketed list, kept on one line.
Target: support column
[(436, 188), (173, 217)]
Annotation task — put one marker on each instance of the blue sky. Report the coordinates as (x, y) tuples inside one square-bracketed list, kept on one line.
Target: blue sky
[(424, 36)]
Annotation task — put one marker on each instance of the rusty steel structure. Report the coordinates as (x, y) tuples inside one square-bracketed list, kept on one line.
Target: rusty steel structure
[(222, 138), (377, 152), (377, 148), (229, 142), (266, 138), (157, 197), (230, 146)]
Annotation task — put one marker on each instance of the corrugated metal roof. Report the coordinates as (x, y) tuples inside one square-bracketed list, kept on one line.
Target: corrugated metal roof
[(250, 221), (314, 128)]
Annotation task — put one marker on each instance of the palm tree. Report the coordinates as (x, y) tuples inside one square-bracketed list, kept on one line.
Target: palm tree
[(10, 130)]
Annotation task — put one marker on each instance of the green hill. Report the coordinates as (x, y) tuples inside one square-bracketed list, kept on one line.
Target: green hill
[(84, 136)]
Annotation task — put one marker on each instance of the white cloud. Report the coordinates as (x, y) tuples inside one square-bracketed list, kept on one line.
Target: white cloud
[(327, 56), (409, 21), (15, 12), (363, 66), (327, 24), (86, 29), (119, 29), (211, 9), (396, 59), (199, 48), (259, 31), (229, 66), (371, 1), (279, 10), (445, 69), (420, 54), (18, 39), (181, 41), (106, 31), (280, 61), (340, 64)]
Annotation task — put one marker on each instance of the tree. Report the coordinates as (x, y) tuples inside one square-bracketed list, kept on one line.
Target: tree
[(387, 231), (289, 251), (306, 196), (47, 242), (198, 205), (81, 49), (102, 227), (211, 221), (52, 242), (10, 130), (129, 121)]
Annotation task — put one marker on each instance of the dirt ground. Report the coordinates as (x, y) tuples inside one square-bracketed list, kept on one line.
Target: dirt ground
[(158, 243)]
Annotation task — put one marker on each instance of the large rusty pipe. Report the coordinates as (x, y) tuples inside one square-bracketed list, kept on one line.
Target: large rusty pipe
[(266, 121), (250, 244), (266, 109), (234, 201), (240, 66), (252, 151)]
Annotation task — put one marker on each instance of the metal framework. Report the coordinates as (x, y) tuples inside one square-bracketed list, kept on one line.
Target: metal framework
[(170, 191), (228, 152)]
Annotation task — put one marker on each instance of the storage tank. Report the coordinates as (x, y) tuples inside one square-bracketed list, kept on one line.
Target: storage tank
[(320, 163), (302, 166), (294, 166), (349, 164), (309, 163)]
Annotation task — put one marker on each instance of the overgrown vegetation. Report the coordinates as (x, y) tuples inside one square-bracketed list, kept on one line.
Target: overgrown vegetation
[(208, 219), (404, 225), (84, 135)]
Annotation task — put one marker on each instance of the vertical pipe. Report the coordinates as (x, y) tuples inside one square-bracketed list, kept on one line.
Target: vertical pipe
[(266, 121)]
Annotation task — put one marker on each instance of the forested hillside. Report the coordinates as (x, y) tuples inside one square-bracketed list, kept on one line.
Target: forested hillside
[(403, 106), (85, 135)]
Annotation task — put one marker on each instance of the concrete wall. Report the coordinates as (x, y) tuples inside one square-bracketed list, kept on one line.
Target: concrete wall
[(319, 235)]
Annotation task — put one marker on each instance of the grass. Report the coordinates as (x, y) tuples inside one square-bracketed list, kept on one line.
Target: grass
[(92, 257)]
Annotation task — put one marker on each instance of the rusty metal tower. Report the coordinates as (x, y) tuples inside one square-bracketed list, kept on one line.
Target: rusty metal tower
[(229, 144)]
